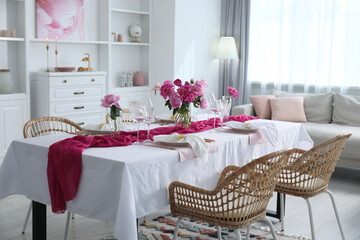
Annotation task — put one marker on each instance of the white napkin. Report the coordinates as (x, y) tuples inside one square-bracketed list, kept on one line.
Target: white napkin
[(240, 125), (268, 128), (198, 144)]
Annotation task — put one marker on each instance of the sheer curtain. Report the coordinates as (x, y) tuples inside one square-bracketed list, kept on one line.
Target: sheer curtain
[(304, 46)]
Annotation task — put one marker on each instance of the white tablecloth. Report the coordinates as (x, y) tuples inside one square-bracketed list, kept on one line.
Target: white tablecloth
[(120, 184)]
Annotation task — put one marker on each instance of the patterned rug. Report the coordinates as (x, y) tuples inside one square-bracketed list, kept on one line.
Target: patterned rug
[(162, 228)]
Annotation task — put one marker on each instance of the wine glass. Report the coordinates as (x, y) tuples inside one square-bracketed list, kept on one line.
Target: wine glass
[(221, 106), (212, 107), (150, 117), (139, 115)]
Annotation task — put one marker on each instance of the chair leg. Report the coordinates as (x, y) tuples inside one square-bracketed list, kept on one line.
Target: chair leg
[(248, 232), (72, 215), (27, 218), (176, 231), (238, 234), (311, 219), (271, 227), (67, 225), (219, 232), (282, 210), (336, 214)]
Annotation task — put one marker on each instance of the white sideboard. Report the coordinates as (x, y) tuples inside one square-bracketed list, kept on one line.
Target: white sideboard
[(75, 95)]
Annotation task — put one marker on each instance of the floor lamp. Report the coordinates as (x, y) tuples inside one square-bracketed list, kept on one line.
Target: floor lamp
[(227, 50)]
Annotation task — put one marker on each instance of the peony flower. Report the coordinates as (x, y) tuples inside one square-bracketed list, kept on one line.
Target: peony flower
[(187, 83), (167, 89), (204, 83), (203, 102), (233, 92), (198, 89), (184, 92), (175, 100), (110, 99), (156, 87), (178, 82)]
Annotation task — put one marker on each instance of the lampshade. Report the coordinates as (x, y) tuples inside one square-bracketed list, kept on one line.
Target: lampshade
[(227, 48)]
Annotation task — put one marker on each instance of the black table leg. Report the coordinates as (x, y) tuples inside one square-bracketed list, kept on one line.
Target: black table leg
[(277, 213), (39, 221)]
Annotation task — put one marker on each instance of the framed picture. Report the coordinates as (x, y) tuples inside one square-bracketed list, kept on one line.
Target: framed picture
[(63, 19)]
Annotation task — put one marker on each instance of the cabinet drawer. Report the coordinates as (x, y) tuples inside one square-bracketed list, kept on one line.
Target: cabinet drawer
[(87, 119), (75, 93), (74, 108), (76, 80)]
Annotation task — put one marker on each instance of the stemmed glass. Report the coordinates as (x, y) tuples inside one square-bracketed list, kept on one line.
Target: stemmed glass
[(150, 117), (139, 115), (222, 108), (212, 107)]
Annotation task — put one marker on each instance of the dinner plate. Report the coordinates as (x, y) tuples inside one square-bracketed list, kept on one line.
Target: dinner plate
[(164, 118), (173, 144), (244, 130), (98, 132), (241, 127)]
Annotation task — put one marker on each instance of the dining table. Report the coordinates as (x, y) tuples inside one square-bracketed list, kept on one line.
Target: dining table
[(121, 184)]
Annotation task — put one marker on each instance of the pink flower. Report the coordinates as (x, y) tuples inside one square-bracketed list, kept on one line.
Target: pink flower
[(233, 92), (184, 92), (204, 83), (109, 100), (167, 89), (187, 83), (175, 100), (178, 82), (156, 87), (203, 102), (198, 88)]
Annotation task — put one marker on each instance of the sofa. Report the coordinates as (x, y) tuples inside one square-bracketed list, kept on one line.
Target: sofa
[(327, 115)]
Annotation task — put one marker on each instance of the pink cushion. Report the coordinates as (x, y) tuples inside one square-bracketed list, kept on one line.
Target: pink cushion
[(288, 109), (262, 105)]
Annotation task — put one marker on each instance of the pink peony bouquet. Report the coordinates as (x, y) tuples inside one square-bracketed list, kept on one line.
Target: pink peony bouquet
[(233, 92), (178, 97), (112, 101)]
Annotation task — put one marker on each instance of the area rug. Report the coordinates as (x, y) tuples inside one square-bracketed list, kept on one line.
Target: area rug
[(162, 228)]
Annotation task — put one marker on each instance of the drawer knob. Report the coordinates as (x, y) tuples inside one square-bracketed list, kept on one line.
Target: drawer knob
[(93, 80), (80, 107), (78, 93), (80, 123), (65, 81)]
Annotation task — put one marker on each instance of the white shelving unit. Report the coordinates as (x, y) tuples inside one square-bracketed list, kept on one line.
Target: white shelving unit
[(26, 53)]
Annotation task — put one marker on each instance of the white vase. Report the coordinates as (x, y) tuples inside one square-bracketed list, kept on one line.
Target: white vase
[(6, 84)]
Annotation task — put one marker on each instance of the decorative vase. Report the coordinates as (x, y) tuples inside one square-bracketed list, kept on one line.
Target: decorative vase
[(139, 79), (183, 117), (115, 120), (6, 84)]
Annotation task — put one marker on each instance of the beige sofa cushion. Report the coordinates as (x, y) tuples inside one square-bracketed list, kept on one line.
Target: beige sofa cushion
[(346, 110), (318, 107), (262, 106), (320, 132)]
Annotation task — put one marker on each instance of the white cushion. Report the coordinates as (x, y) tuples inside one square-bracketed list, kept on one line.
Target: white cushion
[(346, 110), (318, 107)]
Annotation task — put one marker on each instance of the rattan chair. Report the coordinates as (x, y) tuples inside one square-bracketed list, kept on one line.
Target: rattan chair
[(125, 117), (49, 126), (308, 175), (239, 199)]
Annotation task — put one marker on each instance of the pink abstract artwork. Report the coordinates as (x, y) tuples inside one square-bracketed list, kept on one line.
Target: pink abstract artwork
[(63, 19)]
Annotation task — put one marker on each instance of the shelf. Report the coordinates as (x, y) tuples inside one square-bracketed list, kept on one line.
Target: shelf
[(75, 73), (11, 39), (129, 11), (128, 89), (130, 44), (13, 96), (69, 41)]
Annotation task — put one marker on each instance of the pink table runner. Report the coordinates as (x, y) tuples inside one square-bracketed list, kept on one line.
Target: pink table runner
[(64, 157)]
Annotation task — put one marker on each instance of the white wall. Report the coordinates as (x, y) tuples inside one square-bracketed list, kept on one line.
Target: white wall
[(185, 37), (3, 26)]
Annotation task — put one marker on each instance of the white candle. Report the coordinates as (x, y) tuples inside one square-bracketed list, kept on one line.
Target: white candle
[(56, 44), (47, 41)]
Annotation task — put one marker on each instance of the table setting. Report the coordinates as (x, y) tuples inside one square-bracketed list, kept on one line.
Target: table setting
[(116, 173)]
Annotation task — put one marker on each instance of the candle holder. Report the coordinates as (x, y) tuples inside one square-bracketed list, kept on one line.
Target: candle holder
[(56, 61), (47, 58)]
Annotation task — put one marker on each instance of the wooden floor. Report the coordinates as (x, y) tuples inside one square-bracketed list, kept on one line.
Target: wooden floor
[(345, 185)]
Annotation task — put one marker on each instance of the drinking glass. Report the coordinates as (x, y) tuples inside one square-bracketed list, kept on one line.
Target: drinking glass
[(150, 117), (228, 107), (221, 106), (212, 107), (139, 115)]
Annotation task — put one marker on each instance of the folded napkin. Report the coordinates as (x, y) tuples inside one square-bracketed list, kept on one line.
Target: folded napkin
[(254, 137), (269, 129), (198, 144), (240, 125), (98, 126)]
